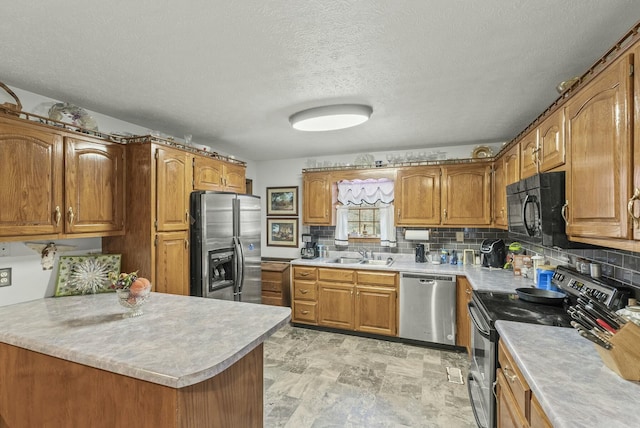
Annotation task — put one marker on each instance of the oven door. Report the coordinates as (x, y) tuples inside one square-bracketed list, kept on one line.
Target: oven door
[(483, 368)]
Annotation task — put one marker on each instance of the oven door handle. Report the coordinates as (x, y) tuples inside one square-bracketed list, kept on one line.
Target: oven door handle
[(472, 314), (470, 380)]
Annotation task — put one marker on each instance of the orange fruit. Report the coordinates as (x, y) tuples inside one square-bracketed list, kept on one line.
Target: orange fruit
[(140, 286)]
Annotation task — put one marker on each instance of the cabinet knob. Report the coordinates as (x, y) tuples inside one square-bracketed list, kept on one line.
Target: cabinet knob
[(635, 197), (58, 215), (71, 215)]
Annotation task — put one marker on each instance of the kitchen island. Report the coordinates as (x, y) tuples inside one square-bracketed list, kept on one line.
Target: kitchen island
[(187, 362)]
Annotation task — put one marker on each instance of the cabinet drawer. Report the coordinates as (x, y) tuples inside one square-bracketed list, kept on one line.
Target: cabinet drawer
[(274, 299), (387, 279), (337, 275), (305, 311), (304, 290), (516, 382), (300, 272), (269, 285)]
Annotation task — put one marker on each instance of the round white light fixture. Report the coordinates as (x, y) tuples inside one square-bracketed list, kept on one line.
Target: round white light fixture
[(330, 118)]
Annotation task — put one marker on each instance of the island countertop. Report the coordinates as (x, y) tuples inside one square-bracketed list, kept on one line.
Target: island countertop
[(177, 342)]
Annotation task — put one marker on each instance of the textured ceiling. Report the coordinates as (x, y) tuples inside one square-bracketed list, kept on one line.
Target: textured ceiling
[(436, 72)]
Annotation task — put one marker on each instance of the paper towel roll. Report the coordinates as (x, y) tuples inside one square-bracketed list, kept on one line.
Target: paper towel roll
[(416, 235)]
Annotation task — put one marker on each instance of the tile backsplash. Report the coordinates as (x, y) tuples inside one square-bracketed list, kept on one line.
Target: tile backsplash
[(623, 266)]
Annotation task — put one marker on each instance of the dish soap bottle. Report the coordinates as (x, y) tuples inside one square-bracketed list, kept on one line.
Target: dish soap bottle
[(454, 258)]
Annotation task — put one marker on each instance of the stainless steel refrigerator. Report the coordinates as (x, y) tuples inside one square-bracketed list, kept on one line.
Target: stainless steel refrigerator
[(225, 246)]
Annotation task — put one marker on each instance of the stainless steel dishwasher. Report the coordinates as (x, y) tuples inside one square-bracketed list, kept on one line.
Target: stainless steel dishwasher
[(428, 307)]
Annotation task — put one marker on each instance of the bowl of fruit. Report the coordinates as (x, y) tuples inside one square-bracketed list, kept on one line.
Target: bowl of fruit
[(132, 291)]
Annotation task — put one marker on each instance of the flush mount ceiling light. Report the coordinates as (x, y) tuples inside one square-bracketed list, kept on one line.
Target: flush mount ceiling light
[(330, 118)]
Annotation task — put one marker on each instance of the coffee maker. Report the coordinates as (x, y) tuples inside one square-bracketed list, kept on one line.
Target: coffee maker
[(310, 248), (493, 253)]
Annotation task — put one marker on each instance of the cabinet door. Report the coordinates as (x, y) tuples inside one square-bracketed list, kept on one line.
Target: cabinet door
[(463, 297), (317, 199), (235, 178), (94, 186), (173, 181), (499, 195), (31, 177), (376, 310), (598, 127), (512, 165), (551, 139), (417, 196), (207, 173), (172, 263), (466, 195), (508, 414), (335, 305), (538, 419), (529, 154)]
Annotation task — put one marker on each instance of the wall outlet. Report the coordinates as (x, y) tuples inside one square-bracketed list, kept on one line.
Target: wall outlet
[(5, 277), (460, 236), (4, 249)]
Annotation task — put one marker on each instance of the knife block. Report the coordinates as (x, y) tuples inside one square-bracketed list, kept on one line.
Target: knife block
[(624, 356)]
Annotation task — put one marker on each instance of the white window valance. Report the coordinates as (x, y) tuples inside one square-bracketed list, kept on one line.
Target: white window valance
[(370, 191)]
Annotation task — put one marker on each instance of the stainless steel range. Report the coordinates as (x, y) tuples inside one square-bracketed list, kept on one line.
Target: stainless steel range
[(488, 307)]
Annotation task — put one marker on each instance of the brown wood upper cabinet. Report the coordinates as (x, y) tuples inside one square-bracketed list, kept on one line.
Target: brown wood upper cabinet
[(598, 135), (215, 174), (173, 182), (506, 170), (543, 148), (417, 196), (466, 193), (317, 199), (529, 154), (59, 184)]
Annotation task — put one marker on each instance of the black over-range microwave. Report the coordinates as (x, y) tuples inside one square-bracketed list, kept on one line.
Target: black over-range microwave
[(534, 210)]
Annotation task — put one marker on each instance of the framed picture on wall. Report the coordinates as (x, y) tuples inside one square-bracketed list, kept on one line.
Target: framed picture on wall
[(282, 201), (282, 232)]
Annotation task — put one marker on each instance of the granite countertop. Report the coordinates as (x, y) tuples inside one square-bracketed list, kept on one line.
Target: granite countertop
[(480, 278), (567, 376), (179, 341)]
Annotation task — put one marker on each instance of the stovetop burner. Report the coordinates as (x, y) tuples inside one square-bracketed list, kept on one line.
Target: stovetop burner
[(509, 307)]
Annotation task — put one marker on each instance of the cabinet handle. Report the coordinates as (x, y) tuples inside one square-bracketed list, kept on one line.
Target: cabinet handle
[(467, 291), (304, 291), (304, 312), (445, 213), (71, 215), (58, 216), (511, 377), (635, 197), (564, 212), (304, 273), (186, 216), (186, 243), (398, 213)]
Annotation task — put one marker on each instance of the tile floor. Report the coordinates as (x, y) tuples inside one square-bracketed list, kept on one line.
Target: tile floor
[(317, 379)]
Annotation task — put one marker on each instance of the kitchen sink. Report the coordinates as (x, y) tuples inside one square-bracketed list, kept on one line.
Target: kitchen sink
[(348, 260), (386, 262)]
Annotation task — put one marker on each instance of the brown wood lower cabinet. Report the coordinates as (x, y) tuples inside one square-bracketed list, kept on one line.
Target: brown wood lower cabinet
[(71, 394), (463, 323), (172, 263), (347, 299), (275, 283), (517, 406)]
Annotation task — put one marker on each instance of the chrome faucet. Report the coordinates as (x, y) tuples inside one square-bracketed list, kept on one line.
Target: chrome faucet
[(363, 252)]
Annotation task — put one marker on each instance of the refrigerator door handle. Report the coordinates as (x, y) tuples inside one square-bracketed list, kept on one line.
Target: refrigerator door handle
[(240, 261)]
